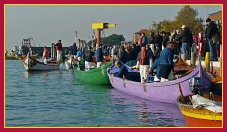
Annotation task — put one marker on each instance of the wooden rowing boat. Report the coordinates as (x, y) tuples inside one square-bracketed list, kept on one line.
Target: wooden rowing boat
[(158, 91), (96, 76), (31, 64), (201, 114)]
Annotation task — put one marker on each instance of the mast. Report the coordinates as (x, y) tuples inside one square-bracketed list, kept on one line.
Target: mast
[(99, 26)]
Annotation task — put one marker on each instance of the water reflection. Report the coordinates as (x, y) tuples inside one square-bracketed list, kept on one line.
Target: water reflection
[(149, 113), (144, 113), (26, 75), (43, 74)]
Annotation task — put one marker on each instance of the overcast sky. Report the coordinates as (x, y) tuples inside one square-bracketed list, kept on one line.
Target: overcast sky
[(47, 24)]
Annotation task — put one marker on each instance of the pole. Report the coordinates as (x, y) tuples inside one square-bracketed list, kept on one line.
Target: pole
[(192, 58), (98, 38), (207, 61), (76, 39), (220, 66)]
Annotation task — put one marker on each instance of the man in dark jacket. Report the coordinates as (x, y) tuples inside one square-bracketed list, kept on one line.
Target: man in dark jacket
[(213, 39), (123, 55), (88, 57), (99, 56), (74, 50), (186, 40), (158, 44)]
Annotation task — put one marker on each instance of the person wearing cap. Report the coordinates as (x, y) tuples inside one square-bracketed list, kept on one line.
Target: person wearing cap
[(59, 50), (45, 55), (213, 38), (144, 59), (186, 40), (166, 61)]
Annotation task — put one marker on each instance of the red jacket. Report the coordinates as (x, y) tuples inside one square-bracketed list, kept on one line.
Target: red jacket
[(58, 46)]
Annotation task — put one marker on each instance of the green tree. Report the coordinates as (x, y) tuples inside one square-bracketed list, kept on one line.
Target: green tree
[(113, 39), (188, 16)]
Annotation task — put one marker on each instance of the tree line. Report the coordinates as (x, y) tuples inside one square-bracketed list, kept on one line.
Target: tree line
[(186, 16)]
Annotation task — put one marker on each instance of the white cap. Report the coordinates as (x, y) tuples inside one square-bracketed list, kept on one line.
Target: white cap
[(183, 26)]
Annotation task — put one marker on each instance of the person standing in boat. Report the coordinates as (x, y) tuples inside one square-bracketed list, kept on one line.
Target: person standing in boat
[(88, 57), (145, 59), (99, 56), (59, 50), (74, 50), (166, 61), (45, 55)]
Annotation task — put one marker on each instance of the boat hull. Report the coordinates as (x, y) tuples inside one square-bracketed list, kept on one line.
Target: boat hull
[(160, 91), (19, 57), (216, 86), (97, 76), (31, 64), (200, 117), (196, 122)]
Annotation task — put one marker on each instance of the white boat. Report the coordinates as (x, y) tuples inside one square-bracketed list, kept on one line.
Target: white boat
[(69, 63), (35, 65)]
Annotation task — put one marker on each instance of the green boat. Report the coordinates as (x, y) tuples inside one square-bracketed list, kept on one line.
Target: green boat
[(97, 76)]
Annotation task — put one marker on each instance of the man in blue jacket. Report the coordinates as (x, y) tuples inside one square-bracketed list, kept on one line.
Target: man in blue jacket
[(123, 70), (166, 61), (156, 65)]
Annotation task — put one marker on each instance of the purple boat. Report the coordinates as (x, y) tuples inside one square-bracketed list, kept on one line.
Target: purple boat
[(158, 91)]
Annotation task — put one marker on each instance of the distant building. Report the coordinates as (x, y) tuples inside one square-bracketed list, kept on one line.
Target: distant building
[(216, 17)]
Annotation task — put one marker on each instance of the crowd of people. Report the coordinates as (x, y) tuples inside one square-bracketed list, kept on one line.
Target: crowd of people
[(154, 52)]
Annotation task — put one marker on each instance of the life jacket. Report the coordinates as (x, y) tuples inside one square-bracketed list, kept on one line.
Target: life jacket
[(143, 54), (45, 53)]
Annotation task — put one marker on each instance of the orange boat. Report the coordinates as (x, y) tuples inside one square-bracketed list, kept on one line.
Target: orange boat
[(200, 117)]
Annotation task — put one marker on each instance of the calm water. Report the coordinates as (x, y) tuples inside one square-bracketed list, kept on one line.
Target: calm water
[(56, 98)]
